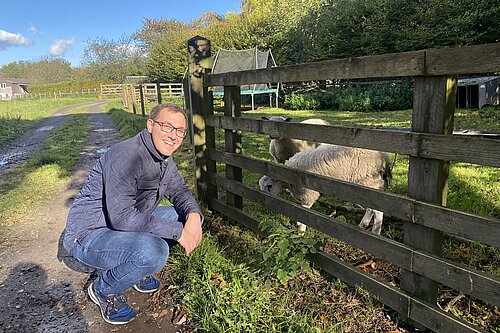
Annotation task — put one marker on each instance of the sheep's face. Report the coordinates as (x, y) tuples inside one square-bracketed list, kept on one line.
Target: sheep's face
[(270, 186), (277, 118)]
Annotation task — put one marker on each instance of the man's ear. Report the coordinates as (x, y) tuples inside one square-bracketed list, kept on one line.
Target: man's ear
[(149, 125)]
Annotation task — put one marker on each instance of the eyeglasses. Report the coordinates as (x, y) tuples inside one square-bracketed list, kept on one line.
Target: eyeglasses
[(167, 128)]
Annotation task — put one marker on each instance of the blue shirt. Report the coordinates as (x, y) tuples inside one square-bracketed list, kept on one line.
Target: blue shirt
[(124, 188)]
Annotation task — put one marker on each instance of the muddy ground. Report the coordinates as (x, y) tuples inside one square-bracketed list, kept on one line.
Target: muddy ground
[(42, 289)]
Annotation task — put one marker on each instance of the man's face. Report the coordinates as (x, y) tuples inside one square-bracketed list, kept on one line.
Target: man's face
[(166, 143)]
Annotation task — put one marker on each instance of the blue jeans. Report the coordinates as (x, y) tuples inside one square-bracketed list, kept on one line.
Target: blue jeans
[(124, 257)]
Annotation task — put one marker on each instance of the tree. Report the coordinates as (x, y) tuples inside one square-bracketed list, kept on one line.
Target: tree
[(47, 71), (14, 69), (110, 60)]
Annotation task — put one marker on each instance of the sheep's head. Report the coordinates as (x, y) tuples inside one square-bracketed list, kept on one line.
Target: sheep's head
[(269, 185), (277, 118)]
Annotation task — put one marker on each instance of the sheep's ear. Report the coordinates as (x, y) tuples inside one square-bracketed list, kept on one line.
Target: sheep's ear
[(288, 119), (264, 118)]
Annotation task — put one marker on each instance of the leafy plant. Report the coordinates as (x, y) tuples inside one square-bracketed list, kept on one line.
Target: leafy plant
[(286, 252)]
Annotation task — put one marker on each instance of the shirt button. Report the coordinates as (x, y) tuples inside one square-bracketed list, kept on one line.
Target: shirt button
[(174, 237)]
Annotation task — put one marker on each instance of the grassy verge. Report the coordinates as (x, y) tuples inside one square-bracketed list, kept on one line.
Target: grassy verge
[(18, 116), (23, 190)]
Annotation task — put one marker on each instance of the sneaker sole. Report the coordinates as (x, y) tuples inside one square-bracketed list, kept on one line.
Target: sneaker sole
[(92, 296), (145, 291)]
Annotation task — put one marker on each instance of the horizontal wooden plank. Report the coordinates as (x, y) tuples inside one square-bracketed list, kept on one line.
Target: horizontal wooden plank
[(463, 60), (443, 147), (235, 214), (428, 315), (444, 61), (377, 66), (453, 222), (467, 280)]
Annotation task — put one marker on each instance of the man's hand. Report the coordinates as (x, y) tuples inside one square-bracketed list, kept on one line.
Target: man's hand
[(191, 234)]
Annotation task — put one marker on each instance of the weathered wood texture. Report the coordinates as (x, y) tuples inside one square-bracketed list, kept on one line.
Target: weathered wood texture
[(446, 147), (434, 62), (433, 109), (199, 50), (468, 281), (232, 139), (451, 221), (428, 315)]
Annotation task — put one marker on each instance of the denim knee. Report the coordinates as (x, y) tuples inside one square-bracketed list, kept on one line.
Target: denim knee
[(153, 253)]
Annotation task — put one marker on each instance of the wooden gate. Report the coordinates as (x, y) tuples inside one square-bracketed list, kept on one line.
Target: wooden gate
[(430, 146)]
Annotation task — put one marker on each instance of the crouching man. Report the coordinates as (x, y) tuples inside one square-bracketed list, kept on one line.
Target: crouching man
[(115, 224)]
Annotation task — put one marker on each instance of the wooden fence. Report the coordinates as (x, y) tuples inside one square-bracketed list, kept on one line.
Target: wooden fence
[(135, 95), (430, 146)]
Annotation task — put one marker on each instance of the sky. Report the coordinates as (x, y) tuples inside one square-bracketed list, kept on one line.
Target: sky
[(32, 29)]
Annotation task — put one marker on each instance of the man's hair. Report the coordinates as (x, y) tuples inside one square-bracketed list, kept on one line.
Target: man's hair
[(171, 107)]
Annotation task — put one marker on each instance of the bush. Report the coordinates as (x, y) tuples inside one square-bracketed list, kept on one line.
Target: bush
[(364, 98)]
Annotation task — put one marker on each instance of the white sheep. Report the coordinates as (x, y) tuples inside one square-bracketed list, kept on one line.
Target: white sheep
[(284, 148), (360, 166)]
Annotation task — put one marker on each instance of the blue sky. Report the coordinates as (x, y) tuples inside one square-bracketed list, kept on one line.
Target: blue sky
[(33, 29)]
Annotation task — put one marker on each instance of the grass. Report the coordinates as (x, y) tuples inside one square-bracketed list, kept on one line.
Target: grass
[(19, 115)]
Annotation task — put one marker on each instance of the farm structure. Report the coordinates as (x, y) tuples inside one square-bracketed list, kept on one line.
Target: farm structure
[(12, 87), (474, 93), (430, 145), (240, 60)]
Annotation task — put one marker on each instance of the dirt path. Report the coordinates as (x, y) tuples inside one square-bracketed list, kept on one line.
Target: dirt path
[(42, 288)]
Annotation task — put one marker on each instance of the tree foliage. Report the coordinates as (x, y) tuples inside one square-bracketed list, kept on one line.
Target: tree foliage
[(113, 60)]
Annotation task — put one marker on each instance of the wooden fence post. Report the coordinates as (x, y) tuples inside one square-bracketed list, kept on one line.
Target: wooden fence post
[(433, 109), (199, 102), (158, 92), (132, 91), (232, 108), (141, 96)]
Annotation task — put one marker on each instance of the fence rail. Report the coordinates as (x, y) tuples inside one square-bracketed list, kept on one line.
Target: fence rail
[(430, 146)]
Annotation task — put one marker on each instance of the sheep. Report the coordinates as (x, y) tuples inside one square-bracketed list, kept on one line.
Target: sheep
[(284, 148), (360, 166)]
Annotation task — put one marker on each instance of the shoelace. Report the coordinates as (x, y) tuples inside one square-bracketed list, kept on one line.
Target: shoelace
[(116, 303)]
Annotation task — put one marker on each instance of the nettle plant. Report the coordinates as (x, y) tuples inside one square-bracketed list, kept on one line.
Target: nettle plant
[(286, 252)]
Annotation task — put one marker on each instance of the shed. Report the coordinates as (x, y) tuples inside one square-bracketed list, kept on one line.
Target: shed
[(473, 93), (12, 87)]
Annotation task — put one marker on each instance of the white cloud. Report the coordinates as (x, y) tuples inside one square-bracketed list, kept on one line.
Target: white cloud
[(33, 29), (60, 46), (8, 39)]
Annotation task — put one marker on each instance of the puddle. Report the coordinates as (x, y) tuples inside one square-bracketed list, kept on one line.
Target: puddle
[(102, 150), (45, 128), (103, 130)]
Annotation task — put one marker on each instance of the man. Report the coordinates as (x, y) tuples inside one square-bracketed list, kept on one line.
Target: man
[(115, 224)]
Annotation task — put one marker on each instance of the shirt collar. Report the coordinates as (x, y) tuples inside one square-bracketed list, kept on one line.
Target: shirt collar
[(148, 142)]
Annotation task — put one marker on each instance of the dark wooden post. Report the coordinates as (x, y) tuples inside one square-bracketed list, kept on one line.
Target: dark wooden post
[(158, 92), (199, 102), (141, 96), (232, 108), (433, 111), (132, 90)]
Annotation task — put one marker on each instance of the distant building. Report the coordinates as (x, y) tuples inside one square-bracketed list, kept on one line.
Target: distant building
[(474, 93), (12, 87)]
